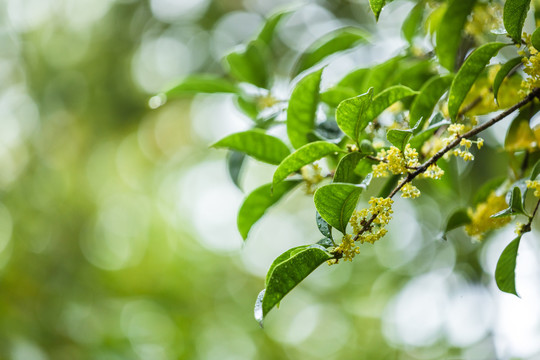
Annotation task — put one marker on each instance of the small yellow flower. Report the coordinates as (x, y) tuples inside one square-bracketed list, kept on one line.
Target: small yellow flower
[(535, 184), (409, 191), (456, 129), (312, 176), (481, 220), (479, 143)]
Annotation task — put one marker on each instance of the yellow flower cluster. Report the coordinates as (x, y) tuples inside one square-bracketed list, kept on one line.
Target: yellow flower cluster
[(484, 19), (433, 172), (531, 67), (381, 208), (395, 161), (347, 249), (463, 150), (409, 191), (535, 184), (312, 176), (520, 228), (481, 222)]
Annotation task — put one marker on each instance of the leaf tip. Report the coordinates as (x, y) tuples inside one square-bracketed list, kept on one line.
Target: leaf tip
[(258, 312)]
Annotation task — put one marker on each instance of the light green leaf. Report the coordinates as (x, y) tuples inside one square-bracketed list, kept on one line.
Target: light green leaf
[(336, 95), (292, 267), (419, 139), (203, 83), (448, 35), (376, 7), (256, 144), (505, 273), (535, 38), (250, 65), (384, 99), (258, 201), (413, 21), (429, 95), (323, 226), (399, 138), (503, 72), (350, 114), (458, 218), (515, 205), (514, 14), (267, 33), (336, 202), (304, 156), (467, 74), (302, 109), (345, 169), (336, 41)]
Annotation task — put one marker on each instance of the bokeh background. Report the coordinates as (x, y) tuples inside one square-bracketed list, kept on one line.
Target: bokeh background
[(117, 222)]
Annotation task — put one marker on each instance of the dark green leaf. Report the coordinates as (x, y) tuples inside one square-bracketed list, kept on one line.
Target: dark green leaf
[(383, 100), (323, 226), (450, 29), (467, 74), (376, 7), (345, 169), (503, 72), (399, 138), (256, 144), (458, 218), (389, 185), (326, 242), (258, 201), (204, 83), (515, 205), (286, 275), (412, 22), (304, 156), (235, 161), (250, 65), (336, 202), (483, 192), (535, 38), (535, 171), (514, 14), (267, 33), (302, 109), (350, 114), (366, 147), (336, 41), (429, 95), (505, 273)]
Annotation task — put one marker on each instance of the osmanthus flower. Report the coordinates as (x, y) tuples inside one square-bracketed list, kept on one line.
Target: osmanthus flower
[(312, 175), (395, 161), (481, 220), (531, 66), (534, 184)]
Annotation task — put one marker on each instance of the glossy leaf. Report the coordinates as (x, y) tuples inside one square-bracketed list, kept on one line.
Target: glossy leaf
[(505, 273), (336, 202), (535, 171), (336, 41), (302, 109), (350, 114), (304, 156), (256, 144), (250, 64), (384, 99), (336, 95), (235, 162), (419, 139), (483, 192), (424, 103), (449, 32), (294, 267), (412, 22), (399, 138), (514, 14), (258, 202), (267, 33), (345, 169), (535, 38), (376, 7), (515, 205), (458, 218), (204, 83), (467, 74), (503, 72), (323, 226)]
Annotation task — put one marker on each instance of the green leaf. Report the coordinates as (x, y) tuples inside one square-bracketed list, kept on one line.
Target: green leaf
[(505, 273), (424, 103), (413, 21), (448, 35), (258, 201), (384, 99), (458, 218), (336, 41), (302, 109), (389, 185), (326, 243), (336, 202), (345, 169), (376, 7), (354, 80), (503, 72), (257, 144), (336, 95), (515, 205), (250, 65), (380, 76), (514, 14), (267, 33), (350, 114), (303, 156), (399, 138), (204, 83), (467, 74), (483, 192), (419, 139), (235, 162), (293, 267), (364, 167), (323, 226), (535, 171), (535, 38)]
